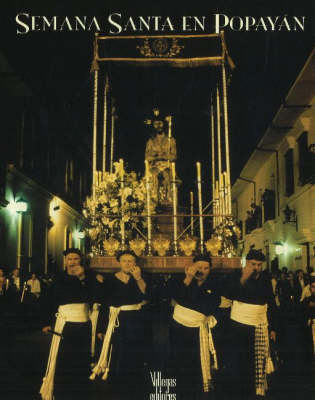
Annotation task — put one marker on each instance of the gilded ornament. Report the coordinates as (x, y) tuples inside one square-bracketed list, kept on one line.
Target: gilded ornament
[(161, 245), (111, 245), (137, 246), (213, 246), (188, 245), (160, 47)]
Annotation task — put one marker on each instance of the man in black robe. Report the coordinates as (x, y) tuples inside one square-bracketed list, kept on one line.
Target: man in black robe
[(71, 296), (125, 329), (195, 303), (253, 309)]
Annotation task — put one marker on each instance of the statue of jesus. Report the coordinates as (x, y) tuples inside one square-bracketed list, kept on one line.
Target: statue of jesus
[(161, 152)]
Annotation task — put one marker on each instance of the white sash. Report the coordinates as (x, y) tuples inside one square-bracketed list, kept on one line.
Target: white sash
[(66, 313), (194, 319), (249, 314), (256, 315), (103, 363), (94, 318)]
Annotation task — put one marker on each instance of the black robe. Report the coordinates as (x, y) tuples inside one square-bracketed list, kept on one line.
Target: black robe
[(241, 368), (131, 340), (184, 363), (73, 361)]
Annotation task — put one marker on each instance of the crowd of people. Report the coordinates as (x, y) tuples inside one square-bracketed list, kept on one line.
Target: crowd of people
[(225, 333)]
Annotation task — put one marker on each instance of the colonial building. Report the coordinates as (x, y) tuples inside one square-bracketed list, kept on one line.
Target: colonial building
[(44, 178), (274, 196)]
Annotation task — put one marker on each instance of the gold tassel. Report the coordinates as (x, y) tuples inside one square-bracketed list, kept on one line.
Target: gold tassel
[(105, 376), (269, 366), (92, 376)]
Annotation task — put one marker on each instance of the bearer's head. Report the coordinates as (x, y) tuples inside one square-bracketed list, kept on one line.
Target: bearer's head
[(255, 259), (127, 259), (203, 264), (73, 258)]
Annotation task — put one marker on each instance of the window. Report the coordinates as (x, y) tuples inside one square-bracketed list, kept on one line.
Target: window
[(289, 173), (68, 239), (305, 168), (269, 204), (69, 174)]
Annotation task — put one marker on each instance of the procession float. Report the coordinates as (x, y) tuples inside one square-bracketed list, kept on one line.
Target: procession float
[(143, 212)]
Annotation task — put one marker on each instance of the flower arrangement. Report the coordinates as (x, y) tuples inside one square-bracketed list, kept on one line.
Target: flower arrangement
[(228, 233), (120, 198)]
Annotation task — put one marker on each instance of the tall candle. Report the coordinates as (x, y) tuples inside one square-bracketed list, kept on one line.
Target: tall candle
[(174, 207), (112, 141), (147, 181), (217, 203), (192, 213), (169, 126), (122, 223), (200, 206)]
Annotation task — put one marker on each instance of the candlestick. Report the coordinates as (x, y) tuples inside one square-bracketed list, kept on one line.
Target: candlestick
[(213, 162), (192, 213), (200, 205), (94, 155), (112, 140), (174, 207), (219, 153), (147, 180), (169, 119), (227, 149), (122, 223), (105, 124), (217, 203)]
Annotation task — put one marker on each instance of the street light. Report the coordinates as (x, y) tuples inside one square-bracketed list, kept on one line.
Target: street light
[(18, 207), (21, 206)]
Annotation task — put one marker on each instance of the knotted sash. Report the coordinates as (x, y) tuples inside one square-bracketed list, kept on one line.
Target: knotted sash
[(103, 363), (66, 313), (194, 319), (256, 315)]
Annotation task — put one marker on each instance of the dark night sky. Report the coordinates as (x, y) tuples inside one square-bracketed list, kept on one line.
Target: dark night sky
[(56, 67)]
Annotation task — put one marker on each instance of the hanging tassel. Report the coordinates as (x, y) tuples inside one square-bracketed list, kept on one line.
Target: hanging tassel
[(105, 376), (269, 366), (92, 376)]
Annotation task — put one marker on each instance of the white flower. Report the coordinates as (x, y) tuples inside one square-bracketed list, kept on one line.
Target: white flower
[(127, 191), (113, 203)]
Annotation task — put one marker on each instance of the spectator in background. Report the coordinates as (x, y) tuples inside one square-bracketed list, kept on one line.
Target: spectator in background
[(274, 284), (300, 283), (307, 289), (15, 280), (4, 284), (309, 304), (34, 285)]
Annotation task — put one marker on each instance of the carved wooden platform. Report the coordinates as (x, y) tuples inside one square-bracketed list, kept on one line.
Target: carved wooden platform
[(165, 264)]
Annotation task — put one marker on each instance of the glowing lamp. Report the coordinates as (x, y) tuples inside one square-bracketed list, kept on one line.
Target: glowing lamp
[(19, 206), (279, 249)]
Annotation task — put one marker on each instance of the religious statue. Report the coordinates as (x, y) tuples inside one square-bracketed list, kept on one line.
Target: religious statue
[(160, 152)]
